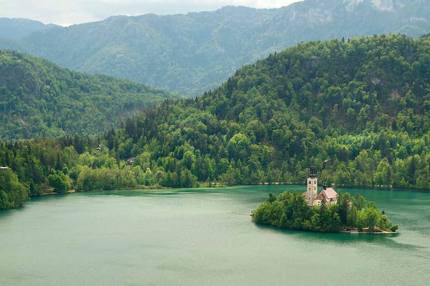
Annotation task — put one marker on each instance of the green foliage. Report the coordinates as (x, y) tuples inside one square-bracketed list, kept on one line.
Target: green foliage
[(12, 193), (369, 218), (105, 179), (39, 99), (289, 210), (59, 182), (41, 164), (196, 52), (359, 103)]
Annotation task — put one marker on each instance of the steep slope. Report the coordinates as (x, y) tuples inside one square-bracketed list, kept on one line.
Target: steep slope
[(39, 99), (195, 52), (363, 104)]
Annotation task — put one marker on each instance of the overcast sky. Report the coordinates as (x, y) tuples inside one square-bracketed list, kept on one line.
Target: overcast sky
[(67, 12)]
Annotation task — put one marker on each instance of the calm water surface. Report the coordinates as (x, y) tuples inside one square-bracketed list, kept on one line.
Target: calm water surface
[(203, 237)]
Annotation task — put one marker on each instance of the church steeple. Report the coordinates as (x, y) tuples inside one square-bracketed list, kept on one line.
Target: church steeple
[(312, 186)]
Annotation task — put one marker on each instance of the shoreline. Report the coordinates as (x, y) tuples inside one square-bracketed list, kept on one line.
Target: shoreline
[(220, 185), (356, 231)]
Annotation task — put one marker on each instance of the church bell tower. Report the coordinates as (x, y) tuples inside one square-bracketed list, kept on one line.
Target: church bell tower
[(312, 186)]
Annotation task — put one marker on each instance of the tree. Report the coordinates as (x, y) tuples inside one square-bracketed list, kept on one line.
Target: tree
[(369, 217), (238, 146), (59, 182), (384, 174), (290, 210), (12, 193)]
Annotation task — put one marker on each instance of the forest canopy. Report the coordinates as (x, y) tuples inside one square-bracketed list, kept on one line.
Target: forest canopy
[(12, 192), (362, 104), (290, 211), (40, 99)]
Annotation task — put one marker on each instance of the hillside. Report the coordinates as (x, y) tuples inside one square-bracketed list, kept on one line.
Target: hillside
[(39, 99), (16, 29), (362, 104), (195, 52)]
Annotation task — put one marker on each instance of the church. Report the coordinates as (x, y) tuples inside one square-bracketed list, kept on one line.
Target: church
[(327, 195)]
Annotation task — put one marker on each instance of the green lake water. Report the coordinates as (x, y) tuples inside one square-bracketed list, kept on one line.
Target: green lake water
[(203, 237)]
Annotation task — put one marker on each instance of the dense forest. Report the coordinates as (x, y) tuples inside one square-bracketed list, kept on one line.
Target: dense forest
[(39, 99), (194, 52), (290, 211), (362, 104)]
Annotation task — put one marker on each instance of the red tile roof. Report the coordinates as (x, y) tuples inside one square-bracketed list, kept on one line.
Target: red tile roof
[(329, 193)]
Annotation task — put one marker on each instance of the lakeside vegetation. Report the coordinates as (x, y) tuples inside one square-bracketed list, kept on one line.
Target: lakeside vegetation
[(290, 211), (12, 193), (363, 104)]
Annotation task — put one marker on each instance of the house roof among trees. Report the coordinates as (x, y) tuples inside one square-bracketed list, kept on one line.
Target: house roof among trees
[(329, 193)]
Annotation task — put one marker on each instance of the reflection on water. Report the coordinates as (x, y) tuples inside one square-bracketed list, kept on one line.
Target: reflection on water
[(385, 240), (203, 237)]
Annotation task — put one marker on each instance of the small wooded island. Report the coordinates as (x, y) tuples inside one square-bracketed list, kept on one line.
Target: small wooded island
[(327, 211)]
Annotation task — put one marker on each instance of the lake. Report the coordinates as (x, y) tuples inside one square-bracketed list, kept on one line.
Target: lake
[(203, 237)]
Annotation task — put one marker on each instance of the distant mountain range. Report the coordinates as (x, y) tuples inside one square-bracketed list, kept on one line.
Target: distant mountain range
[(195, 52), (16, 29), (40, 99)]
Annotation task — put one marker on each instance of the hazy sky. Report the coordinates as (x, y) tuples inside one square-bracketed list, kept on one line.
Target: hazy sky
[(66, 12)]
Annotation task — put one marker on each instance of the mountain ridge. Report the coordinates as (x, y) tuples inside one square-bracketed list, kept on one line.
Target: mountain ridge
[(40, 99), (18, 28), (194, 52)]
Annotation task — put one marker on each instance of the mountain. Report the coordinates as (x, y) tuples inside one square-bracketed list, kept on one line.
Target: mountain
[(363, 104), (16, 29), (40, 99), (358, 109), (196, 52)]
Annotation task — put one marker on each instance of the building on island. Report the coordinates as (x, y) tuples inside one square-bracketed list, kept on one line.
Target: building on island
[(327, 195), (312, 186)]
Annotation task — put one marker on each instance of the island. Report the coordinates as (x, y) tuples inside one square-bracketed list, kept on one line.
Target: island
[(326, 211)]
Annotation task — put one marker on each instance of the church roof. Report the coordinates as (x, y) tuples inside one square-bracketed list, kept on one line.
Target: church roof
[(329, 193)]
